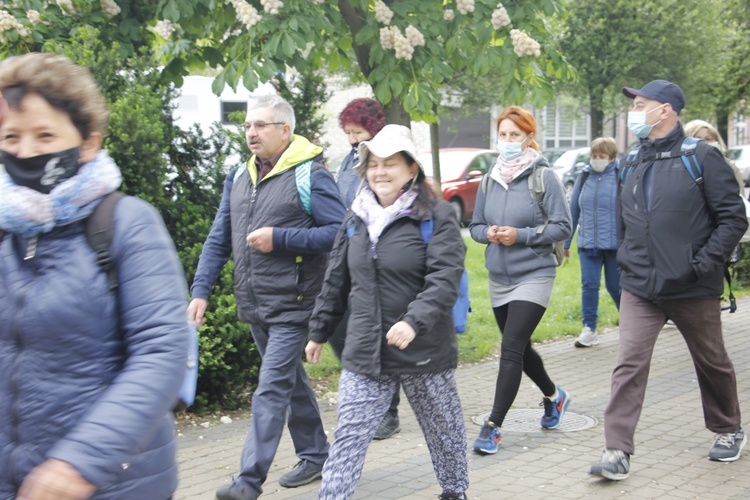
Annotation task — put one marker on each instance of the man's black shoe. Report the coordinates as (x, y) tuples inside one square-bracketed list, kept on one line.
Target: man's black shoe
[(236, 491), (303, 473), (388, 427)]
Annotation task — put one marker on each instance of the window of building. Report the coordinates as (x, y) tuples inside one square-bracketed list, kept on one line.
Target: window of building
[(229, 107), (562, 127)]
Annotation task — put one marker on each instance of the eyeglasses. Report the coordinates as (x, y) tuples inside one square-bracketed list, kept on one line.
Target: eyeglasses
[(259, 125)]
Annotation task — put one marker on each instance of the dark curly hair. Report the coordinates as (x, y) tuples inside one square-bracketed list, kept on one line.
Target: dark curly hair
[(365, 112)]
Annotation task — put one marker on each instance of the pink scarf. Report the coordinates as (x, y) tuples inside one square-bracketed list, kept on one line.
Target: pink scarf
[(509, 169)]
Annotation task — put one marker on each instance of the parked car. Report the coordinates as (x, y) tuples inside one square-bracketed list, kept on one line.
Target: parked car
[(741, 157), (569, 165), (461, 171)]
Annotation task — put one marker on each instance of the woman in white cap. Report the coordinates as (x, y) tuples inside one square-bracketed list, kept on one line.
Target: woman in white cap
[(397, 262)]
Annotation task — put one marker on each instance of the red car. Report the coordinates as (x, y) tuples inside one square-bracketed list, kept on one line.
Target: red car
[(461, 172)]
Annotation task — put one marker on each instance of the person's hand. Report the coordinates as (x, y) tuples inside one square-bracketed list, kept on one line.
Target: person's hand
[(507, 235), (312, 351), (261, 239), (401, 334), (55, 480), (566, 253), (196, 311), (492, 234)]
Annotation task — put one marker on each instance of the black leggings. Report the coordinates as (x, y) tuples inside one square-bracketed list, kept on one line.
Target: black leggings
[(517, 321)]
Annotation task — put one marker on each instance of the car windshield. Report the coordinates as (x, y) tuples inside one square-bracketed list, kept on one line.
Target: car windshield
[(738, 153), (566, 159), (452, 163)]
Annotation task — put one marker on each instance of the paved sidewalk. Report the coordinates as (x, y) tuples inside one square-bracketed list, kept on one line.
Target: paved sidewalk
[(671, 440)]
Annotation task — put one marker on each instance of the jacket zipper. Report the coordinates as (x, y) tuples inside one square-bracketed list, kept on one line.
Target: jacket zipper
[(596, 211), (250, 210)]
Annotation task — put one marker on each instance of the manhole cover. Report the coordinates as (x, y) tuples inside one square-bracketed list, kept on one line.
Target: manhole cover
[(527, 420)]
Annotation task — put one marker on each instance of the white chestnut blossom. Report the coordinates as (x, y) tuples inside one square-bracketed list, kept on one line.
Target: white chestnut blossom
[(404, 50), (8, 22), (383, 14), (500, 17), (246, 13), (318, 2), (272, 6), (66, 6), (388, 37), (414, 36), (449, 15), (524, 45), (164, 29), (33, 16), (110, 8), (465, 6)]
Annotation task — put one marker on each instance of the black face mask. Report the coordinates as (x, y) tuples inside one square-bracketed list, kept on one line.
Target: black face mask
[(44, 172)]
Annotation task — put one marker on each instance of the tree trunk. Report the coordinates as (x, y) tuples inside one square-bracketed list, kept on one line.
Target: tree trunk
[(395, 113), (722, 122), (435, 149), (596, 113)]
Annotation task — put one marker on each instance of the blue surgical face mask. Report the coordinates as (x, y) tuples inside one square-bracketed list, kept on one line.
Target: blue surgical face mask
[(637, 123), (510, 150)]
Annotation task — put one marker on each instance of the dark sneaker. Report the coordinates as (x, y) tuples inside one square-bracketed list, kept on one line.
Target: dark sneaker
[(303, 473), (446, 495), (554, 409), (489, 438), (236, 491), (614, 465), (388, 426), (727, 447)]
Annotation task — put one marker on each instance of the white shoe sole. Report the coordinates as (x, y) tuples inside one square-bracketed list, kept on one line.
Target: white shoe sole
[(735, 457)]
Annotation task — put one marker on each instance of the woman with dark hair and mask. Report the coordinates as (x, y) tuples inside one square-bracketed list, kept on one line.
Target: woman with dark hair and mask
[(593, 211), (88, 375), (396, 263)]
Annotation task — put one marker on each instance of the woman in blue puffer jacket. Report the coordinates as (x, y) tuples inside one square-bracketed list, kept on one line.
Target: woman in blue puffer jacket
[(88, 376), (593, 209)]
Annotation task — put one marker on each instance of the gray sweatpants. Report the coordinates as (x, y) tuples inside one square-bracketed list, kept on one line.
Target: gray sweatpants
[(699, 322), (364, 400)]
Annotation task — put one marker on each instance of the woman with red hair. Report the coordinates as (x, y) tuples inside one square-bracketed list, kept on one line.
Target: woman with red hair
[(520, 232), (361, 119)]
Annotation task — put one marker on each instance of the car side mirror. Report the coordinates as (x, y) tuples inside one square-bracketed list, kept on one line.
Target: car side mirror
[(580, 165), (473, 174)]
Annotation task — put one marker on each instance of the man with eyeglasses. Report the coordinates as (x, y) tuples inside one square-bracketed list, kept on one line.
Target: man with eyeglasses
[(279, 244)]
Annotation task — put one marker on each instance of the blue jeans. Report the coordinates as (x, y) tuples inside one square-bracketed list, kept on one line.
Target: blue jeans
[(591, 277), (283, 396)]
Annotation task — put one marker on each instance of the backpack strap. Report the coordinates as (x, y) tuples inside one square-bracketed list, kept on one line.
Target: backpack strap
[(536, 191), (302, 174), (100, 229), (485, 182), (426, 227), (630, 163), (690, 159)]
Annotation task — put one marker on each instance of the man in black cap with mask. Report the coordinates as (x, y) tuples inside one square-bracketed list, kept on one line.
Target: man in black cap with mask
[(675, 234)]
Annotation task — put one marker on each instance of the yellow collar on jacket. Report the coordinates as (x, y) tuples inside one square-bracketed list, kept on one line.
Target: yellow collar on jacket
[(300, 150)]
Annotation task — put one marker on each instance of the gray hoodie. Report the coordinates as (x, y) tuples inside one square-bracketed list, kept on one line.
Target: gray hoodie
[(531, 256)]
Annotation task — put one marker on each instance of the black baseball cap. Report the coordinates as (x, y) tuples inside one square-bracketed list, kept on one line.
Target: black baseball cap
[(661, 91)]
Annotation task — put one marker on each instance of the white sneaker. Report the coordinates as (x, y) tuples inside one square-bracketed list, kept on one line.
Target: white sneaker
[(587, 338)]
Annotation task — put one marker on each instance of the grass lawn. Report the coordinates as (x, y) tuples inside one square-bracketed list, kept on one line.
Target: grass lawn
[(482, 337)]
